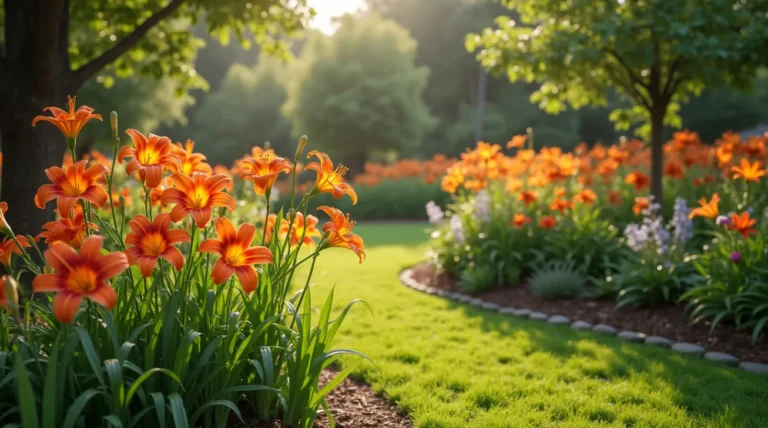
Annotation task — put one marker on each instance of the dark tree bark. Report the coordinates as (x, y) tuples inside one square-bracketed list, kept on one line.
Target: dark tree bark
[(657, 151)]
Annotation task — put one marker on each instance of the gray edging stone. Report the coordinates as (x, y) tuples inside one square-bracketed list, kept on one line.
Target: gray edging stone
[(581, 325), (685, 348)]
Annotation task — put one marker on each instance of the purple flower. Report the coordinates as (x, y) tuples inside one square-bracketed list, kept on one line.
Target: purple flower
[(722, 220), (735, 256)]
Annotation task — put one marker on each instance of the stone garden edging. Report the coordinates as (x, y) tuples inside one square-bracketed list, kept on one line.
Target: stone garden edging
[(689, 349)]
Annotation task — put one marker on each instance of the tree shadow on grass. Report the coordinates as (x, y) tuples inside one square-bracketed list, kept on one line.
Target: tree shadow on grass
[(715, 395)]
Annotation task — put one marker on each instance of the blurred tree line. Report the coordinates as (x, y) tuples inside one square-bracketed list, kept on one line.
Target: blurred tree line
[(395, 81)]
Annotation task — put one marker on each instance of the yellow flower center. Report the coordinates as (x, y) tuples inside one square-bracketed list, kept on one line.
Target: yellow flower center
[(75, 187), (149, 157), (234, 255), (199, 198), (81, 279), (153, 244)]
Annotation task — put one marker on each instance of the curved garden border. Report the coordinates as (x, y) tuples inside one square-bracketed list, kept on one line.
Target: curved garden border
[(685, 348)]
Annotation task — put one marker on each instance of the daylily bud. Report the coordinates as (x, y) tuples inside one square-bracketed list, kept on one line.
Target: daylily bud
[(113, 122), (267, 145), (5, 228), (9, 297), (302, 145)]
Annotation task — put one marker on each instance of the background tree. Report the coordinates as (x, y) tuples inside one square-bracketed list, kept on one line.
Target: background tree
[(358, 92), (654, 53), (50, 48), (243, 112)]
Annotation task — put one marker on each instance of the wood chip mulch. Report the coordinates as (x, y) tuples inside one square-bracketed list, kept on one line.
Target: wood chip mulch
[(668, 321), (353, 405)]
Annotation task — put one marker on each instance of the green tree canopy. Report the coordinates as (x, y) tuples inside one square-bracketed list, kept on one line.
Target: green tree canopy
[(243, 112), (653, 53), (359, 92)]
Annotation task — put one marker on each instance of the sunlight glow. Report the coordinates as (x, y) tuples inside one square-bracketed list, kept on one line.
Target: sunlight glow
[(329, 9)]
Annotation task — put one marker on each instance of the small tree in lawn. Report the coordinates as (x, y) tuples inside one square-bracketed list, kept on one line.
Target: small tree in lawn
[(653, 53), (359, 91)]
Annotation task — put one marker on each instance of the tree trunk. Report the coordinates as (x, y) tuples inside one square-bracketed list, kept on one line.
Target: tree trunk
[(27, 152), (657, 151)]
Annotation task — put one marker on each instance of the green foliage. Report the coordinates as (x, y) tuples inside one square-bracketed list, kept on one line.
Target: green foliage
[(558, 280), (640, 282), (478, 278), (244, 112), (358, 92)]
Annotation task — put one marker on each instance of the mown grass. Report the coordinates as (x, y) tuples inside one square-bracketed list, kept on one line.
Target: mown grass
[(451, 365)]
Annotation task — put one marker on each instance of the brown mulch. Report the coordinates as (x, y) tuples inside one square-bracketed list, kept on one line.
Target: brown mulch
[(668, 321), (353, 405)]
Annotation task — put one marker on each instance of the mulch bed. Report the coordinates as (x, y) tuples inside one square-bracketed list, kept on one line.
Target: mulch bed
[(353, 405), (668, 321)]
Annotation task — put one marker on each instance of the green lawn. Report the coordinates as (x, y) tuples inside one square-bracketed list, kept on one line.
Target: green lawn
[(451, 365)]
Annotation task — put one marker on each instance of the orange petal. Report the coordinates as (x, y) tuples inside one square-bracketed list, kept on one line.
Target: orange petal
[(147, 265), (245, 234), (258, 256), (104, 295), (110, 265), (91, 247), (202, 216), (221, 272), (46, 282), (249, 280), (174, 257), (65, 306), (211, 246), (177, 235), (154, 175), (65, 205), (61, 257)]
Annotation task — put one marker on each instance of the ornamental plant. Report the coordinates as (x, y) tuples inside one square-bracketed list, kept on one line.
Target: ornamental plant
[(154, 304)]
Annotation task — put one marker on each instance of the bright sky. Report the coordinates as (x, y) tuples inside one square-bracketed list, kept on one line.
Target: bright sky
[(328, 9)]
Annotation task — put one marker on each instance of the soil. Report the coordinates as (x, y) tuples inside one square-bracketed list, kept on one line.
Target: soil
[(668, 321), (353, 405)]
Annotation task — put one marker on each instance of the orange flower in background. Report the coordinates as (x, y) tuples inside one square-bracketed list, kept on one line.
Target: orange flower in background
[(197, 195), (80, 275), (151, 240), (70, 231), (724, 154), (189, 160), (525, 155), (519, 220), (547, 222), (614, 197), (586, 196), (69, 123), (754, 147), (271, 219), (673, 169), (560, 205), (236, 256), (330, 180), (513, 185), (5, 228), (298, 229), (528, 197), (73, 183), (486, 151), (263, 171), (641, 204), (742, 223), (518, 141), (223, 170), (150, 157), (126, 194), (748, 171), (551, 154), (338, 232), (559, 192), (707, 209), (618, 155), (637, 179), (8, 247)]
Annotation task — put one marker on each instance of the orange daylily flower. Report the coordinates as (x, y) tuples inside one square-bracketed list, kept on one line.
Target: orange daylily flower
[(547, 222), (236, 254), (70, 231), (748, 171), (197, 195), (8, 247), (559, 192), (638, 179), (189, 160), (560, 205), (271, 219), (150, 157), (519, 220), (641, 204), (73, 183), (708, 209), (513, 185), (517, 141), (3, 297), (152, 240), (586, 196), (614, 197), (742, 223), (338, 232), (263, 171), (673, 169), (330, 180), (69, 123), (298, 229), (80, 275), (528, 197)]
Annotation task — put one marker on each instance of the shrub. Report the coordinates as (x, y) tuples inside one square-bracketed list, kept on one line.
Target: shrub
[(478, 278), (558, 280)]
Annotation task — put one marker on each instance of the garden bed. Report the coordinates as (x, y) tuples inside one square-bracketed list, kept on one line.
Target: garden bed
[(353, 405), (666, 321)]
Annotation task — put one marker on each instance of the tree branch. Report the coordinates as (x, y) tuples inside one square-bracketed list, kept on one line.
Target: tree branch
[(677, 63), (109, 56), (630, 88), (635, 79)]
